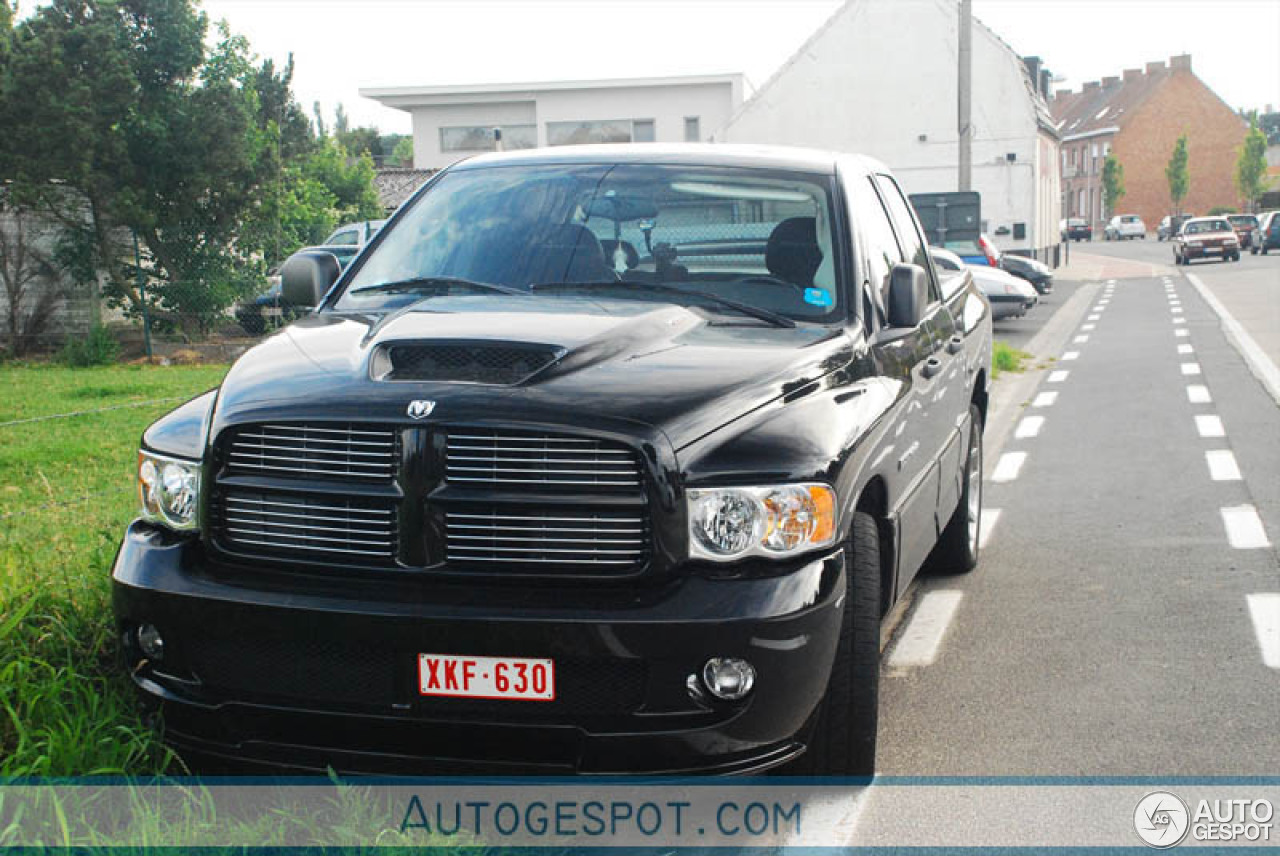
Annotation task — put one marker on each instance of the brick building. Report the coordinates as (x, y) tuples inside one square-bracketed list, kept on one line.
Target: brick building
[(1139, 116)]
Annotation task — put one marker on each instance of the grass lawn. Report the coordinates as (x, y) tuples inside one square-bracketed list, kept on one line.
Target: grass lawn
[(66, 494)]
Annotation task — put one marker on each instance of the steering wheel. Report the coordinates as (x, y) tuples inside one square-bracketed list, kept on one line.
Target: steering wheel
[(768, 279)]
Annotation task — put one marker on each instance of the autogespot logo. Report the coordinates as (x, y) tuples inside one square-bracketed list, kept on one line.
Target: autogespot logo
[(1162, 819)]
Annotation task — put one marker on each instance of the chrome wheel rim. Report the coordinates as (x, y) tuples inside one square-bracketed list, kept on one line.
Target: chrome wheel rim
[(974, 475)]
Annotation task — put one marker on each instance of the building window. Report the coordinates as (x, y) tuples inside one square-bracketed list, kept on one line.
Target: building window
[(642, 131), (597, 131), (479, 138), (692, 129)]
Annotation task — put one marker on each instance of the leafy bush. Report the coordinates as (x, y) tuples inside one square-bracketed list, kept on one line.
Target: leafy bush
[(98, 348), (1219, 210)]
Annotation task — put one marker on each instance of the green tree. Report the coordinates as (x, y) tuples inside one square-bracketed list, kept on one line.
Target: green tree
[(1251, 166), (402, 155), (350, 180), (1177, 175), (1112, 182)]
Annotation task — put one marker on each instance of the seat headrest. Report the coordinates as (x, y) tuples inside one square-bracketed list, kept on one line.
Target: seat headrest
[(793, 253)]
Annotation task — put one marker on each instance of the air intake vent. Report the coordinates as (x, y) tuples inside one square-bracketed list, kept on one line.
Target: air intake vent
[(502, 363)]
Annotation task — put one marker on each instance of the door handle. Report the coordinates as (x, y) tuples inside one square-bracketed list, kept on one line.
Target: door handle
[(956, 345), (932, 366)]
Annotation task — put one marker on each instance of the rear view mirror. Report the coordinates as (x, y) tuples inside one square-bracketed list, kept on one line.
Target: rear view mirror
[(306, 277), (908, 295)]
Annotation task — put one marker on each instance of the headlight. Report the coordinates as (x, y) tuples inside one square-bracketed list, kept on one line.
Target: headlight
[(731, 523), (169, 490)]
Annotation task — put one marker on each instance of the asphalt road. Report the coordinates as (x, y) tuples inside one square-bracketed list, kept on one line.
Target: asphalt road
[(1125, 617)]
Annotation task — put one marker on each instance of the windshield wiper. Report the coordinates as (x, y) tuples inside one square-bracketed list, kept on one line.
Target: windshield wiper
[(423, 283), (656, 288)]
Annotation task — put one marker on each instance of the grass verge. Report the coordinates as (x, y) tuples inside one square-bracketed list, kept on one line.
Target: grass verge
[(66, 493)]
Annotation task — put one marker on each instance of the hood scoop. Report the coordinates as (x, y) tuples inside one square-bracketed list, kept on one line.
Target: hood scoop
[(487, 362)]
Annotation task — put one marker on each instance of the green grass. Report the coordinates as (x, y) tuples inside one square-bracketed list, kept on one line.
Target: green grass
[(1006, 358), (66, 494)]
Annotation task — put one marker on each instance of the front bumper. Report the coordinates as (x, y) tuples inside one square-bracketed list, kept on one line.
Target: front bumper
[(294, 672), (1210, 252)]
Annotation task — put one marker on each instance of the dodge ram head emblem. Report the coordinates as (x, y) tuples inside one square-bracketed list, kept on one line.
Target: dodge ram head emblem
[(421, 409)]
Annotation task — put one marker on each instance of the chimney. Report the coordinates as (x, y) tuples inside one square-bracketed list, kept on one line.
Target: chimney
[(1108, 82), (1092, 86), (1062, 93), (1132, 74), (1155, 67), (1180, 62), (1046, 80)]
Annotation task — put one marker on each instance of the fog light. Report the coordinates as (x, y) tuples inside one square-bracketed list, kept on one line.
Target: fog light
[(728, 678), (151, 642)]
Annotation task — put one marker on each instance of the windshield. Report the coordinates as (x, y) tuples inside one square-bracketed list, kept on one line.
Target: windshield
[(1207, 226), (759, 237)]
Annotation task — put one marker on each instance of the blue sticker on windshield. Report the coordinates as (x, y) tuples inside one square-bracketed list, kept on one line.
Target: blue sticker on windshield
[(818, 297)]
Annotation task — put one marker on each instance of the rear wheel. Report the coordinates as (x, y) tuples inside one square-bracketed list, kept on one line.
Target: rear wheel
[(957, 548), (843, 742)]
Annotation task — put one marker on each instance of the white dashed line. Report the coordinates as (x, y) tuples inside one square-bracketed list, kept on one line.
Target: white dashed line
[(1197, 394), (1191, 368), (1094, 317), (1244, 528), (921, 639), (1181, 332), (1210, 425), (1264, 609), (1008, 467), (1029, 427), (1059, 376), (990, 516), (1071, 355), (1222, 465), (1088, 326), (1045, 399), (1081, 339), (1186, 349)]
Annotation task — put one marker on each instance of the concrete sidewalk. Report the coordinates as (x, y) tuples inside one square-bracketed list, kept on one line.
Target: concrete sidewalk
[(1088, 267)]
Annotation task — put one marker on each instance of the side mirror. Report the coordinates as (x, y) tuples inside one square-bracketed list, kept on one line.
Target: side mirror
[(306, 277), (908, 295)]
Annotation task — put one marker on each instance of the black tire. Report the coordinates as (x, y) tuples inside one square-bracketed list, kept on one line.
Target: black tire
[(957, 549), (843, 740)]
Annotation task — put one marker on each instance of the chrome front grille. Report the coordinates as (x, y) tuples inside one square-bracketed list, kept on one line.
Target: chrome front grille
[(574, 537), (342, 452), (306, 526), (504, 458)]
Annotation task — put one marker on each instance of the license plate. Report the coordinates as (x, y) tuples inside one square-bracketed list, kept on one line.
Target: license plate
[(486, 677)]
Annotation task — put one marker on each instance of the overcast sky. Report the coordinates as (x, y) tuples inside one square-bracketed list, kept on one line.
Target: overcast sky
[(340, 46)]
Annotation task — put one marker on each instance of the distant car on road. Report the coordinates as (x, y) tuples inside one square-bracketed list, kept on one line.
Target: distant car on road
[(1170, 225), (354, 234), (1205, 237), (1076, 229), (1125, 226), (1244, 224), (1009, 296), (1034, 272), (256, 315), (1267, 235)]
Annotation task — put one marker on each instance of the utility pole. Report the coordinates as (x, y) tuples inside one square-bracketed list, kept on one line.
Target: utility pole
[(965, 95)]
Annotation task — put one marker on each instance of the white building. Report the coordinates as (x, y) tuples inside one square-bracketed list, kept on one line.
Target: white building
[(880, 78), (452, 122)]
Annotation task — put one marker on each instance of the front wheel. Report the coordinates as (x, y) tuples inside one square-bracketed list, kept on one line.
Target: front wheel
[(843, 742), (957, 548)]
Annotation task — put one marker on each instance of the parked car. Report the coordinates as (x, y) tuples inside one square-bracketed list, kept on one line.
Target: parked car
[(356, 234), (1244, 224), (1124, 227), (269, 308), (980, 252), (510, 499), (1267, 235), (1077, 229), (1204, 237), (1035, 272), (1009, 296), (1170, 225)]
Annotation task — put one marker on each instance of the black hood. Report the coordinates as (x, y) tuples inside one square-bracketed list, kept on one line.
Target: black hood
[(614, 362)]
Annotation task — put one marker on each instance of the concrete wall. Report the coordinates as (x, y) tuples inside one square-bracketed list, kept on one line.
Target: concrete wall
[(865, 83), (666, 105), (1182, 104)]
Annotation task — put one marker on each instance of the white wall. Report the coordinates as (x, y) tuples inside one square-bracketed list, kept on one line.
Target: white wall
[(667, 105), (870, 85)]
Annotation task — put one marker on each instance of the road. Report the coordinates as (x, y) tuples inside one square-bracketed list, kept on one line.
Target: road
[(1125, 617)]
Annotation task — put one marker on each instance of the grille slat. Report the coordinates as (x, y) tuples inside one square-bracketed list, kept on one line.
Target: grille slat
[(510, 536), (506, 457), (348, 453), (279, 524)]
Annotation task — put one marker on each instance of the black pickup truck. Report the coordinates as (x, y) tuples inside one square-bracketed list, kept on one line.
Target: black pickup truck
[(597, 460)]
